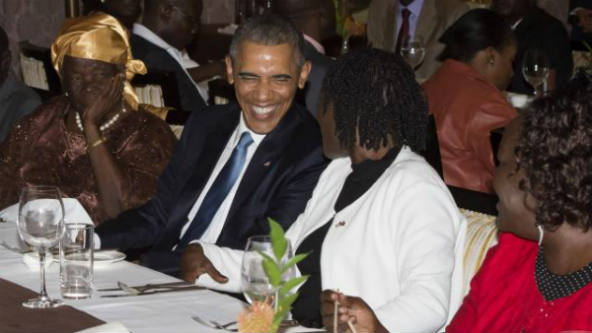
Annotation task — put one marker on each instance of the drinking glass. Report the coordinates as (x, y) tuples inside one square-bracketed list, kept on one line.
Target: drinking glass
[(535, 68), (40, 224), (413, 52), (254, 282), (76, 261)]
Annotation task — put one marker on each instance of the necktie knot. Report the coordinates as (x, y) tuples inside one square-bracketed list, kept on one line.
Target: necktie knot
[(405, 13), (245, 141)]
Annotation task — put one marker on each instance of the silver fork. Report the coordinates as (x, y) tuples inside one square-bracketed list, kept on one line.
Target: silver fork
[(215, 325)]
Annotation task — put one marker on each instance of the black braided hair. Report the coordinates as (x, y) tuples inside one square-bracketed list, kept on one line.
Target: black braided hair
[(375, 96)]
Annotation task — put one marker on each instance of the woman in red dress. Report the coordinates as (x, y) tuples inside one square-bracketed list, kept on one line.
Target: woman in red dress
[(544, 182)]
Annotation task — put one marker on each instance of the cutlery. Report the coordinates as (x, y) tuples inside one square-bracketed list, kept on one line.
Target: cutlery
[(151, 286), (215, 325), (156, 291)]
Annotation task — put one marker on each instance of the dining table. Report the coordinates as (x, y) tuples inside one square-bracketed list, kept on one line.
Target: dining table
[(158, 312)]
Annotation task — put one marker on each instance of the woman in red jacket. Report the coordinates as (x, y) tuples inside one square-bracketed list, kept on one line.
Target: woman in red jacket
[(545, 191), (465, 96)]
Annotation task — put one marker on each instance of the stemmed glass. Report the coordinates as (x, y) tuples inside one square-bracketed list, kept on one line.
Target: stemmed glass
[(535, 68), (40, 224), (413, 52), (255, 285)]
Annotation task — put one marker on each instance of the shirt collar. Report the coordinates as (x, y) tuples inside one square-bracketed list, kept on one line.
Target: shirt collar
[(414, 7), (314, 43), (147, 34), (242, 127)]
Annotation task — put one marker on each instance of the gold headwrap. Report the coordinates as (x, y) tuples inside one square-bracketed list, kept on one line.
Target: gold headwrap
[(98, 37)]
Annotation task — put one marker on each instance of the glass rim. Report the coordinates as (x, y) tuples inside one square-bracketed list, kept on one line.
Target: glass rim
[(41, 188), (78, 225), (256, 238)]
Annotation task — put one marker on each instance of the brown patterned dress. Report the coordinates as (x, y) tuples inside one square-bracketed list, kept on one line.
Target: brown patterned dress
[(40, 150)]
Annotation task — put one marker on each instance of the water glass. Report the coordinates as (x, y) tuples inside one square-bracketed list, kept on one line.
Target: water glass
[(413, 52), (40, 224), (535, 69), (76, 261), (254, 282)]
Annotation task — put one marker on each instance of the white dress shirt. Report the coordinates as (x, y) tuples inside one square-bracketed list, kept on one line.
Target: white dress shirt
[(153, 38), (415, 9), (211, 234)]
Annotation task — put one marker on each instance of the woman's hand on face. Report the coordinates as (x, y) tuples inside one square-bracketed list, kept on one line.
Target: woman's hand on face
[(107, 101), (352, 309)]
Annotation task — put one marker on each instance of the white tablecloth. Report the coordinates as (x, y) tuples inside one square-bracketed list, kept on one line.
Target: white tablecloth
[(167, 312)]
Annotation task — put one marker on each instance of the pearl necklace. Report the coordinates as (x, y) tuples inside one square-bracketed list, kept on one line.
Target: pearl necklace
[(103, 127)]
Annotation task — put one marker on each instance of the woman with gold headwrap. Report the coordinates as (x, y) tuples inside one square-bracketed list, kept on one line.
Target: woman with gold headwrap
[(95, 142)]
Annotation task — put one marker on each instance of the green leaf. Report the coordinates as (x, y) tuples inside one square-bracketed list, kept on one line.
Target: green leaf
[(286, 302), (266, 256), (272, 272), (283, 308), (278, 239), (294, 260), (291, 284)]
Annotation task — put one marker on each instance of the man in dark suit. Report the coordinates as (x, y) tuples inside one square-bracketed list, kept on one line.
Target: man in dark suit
[(235, 165), (536, 29), (167, 27), (311, 19)]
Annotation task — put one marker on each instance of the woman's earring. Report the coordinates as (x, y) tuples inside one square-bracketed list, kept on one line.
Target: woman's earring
[(541, 233)]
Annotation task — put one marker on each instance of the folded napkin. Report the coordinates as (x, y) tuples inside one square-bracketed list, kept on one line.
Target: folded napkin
[(73, 212), (114, 327)]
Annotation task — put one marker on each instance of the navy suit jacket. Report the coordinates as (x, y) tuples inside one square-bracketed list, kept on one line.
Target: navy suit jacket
[(277, 183), (158, 59)]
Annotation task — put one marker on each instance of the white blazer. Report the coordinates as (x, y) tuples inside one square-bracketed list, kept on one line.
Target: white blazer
[(398, 246)]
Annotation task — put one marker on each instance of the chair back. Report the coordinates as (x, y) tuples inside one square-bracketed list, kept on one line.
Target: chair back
[(37, 70), (158, 89)]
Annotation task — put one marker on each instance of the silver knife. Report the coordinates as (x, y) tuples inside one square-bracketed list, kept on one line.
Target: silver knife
[(156, 292)]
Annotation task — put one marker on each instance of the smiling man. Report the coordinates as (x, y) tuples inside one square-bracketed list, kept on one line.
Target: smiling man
[(235, 165)]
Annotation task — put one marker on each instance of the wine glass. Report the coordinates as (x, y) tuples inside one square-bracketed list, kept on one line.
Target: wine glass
[(413, 53), (535, 68), (255, 285), (40, 224)]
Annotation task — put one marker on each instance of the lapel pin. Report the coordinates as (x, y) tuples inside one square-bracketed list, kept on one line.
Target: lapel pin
[(266, 164), (340, 224)]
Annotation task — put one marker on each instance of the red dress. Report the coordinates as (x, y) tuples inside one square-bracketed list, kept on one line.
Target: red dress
[(504, 296), (466, 108)]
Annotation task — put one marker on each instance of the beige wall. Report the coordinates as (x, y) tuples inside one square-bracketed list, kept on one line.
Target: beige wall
[(37, 21), (218, 11)]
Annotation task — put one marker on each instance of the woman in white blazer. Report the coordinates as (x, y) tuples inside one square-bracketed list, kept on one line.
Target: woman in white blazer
[(382, 227)]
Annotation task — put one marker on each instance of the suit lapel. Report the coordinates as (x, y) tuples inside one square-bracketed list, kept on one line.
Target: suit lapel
[(265, 158), (390, 27), (213, 144), (426, 24)]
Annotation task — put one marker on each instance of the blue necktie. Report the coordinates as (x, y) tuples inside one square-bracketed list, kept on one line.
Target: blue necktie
[(218, 191)]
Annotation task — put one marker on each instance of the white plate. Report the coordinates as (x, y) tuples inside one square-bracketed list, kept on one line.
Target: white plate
[(108, 256), (102, 257)]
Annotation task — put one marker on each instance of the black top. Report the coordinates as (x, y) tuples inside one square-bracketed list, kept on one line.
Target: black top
[(553, 286), (539, 30), (306, 310), (157, 59)]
